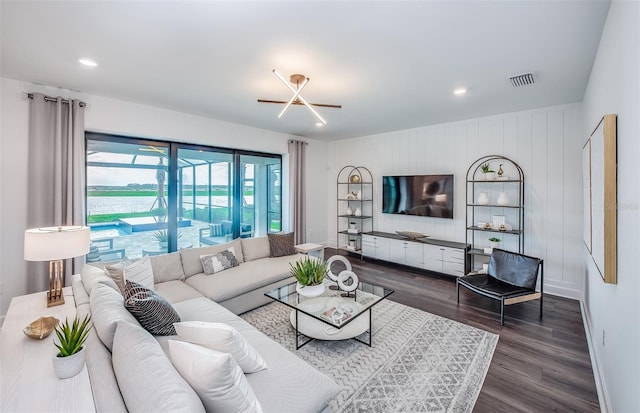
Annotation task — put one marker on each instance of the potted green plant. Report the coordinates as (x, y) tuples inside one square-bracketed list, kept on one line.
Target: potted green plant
[(71, 353), (488, 173), (494, 242), (309, 272), (162, 237)]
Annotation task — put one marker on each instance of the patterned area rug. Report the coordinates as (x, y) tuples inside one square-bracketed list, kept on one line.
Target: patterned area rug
[(419, 362)]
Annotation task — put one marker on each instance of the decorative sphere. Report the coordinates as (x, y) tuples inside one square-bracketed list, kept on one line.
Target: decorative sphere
[(355, 179)]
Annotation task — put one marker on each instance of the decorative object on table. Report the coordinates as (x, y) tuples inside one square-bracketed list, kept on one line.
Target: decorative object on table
[(40, 328), (309, 273), (349, 211), (494, 242), (335, 258), (71, 353), (352, 225), (483, 198), (55, 244), (347, 281), (358, 212), (503, 199), (500, 171), (354, 179), (411, 234), (352, 245), (487, 173)]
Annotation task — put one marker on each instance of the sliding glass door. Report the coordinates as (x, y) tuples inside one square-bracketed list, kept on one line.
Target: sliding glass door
[(149, 197)]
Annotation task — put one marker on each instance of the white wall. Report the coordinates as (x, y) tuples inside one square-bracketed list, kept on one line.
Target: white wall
[(547, 143), (613, 311), (129, 119)]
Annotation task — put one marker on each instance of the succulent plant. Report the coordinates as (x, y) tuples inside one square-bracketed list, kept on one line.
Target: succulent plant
[(309, 271), (72, 336)]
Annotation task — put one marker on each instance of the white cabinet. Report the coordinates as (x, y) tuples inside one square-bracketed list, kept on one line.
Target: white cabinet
[(406, 253), (375, 247), (444, 259)]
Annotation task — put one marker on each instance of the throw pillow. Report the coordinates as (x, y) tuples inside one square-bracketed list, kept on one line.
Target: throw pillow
[(139, 271), (147, 379), (281, 244), (220, 261), (215, 377), (151, 310), (107, 309), (222, 337), (255, 248), (91, 276)]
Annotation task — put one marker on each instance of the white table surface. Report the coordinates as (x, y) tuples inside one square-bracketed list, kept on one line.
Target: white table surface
[(27, 380), (308, 247)]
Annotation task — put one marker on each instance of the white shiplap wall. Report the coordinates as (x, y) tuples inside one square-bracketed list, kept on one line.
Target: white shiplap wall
[(547, 144)]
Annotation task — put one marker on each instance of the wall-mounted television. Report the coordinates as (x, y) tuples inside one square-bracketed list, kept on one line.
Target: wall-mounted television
[(422, 195)]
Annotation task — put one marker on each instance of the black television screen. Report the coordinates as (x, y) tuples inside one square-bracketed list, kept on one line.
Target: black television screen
[(423, 195)]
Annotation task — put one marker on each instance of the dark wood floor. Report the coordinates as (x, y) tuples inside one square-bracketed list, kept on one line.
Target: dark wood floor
[(538, 365)]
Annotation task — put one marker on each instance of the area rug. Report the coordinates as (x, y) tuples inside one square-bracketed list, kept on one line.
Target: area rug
[(419, 362)]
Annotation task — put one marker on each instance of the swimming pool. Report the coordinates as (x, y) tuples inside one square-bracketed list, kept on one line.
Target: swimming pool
[(107, 230)]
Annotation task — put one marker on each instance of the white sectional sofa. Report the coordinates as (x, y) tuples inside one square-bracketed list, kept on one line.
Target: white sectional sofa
[(179, 278)]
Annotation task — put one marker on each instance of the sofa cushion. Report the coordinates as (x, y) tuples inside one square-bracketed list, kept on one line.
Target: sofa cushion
[(107, 308), (281, 244), (91, 276), (219, 261), (243, 278), (176, 291), (222, 337), (167, 267), (191, 256), (147, 379), (138, 271), (151, 310), (256, 248), (216, 378)]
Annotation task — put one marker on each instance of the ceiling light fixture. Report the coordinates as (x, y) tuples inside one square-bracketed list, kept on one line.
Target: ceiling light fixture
[(88, 62), (459, 92), (300, 81)]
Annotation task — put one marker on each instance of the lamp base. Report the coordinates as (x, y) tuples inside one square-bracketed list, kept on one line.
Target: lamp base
[(54, 299), (56, 282)]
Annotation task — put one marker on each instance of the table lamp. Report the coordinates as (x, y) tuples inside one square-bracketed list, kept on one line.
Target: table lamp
[(55, 244)]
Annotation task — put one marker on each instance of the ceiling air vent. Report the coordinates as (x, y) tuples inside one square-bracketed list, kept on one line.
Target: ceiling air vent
[(522, 80)]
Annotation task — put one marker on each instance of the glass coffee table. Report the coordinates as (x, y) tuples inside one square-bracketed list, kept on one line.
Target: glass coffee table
[(334, 315)]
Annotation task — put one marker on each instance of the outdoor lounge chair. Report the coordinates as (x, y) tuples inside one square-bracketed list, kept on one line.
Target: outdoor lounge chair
[(511, 278), (222, 232)]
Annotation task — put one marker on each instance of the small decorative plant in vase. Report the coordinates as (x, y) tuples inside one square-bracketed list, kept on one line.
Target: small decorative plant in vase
[(309, 272), (488, 173), (71, 353), (494, 242)]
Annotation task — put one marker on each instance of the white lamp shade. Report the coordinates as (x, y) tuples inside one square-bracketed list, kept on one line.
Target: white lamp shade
[(56, 243)]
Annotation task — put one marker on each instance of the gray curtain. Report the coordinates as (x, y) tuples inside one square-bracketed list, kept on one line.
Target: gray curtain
[(297, 179), (56, 173)]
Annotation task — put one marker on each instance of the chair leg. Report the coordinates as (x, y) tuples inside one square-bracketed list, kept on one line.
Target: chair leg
[(458, 291), (502, 311), (541, 306)]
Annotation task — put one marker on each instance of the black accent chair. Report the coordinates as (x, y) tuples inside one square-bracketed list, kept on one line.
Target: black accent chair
[(511, 278)]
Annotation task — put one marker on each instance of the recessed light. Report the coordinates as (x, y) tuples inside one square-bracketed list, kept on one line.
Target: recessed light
[(88, 62), (459, 92)]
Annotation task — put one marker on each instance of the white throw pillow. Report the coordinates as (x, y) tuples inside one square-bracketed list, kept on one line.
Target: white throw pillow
[(139, 271), (215, 377), (222, 337), (91, 276)]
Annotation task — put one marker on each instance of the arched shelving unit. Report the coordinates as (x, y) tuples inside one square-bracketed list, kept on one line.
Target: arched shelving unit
[(354, 192), (492, 201)]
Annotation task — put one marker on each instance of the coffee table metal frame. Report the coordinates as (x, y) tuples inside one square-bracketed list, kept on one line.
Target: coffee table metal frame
[(372, 293)]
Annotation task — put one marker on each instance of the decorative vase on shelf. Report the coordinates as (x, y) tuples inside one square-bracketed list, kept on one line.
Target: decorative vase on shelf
[(358, 212), (359, 194), (483, 198), (349, 211), (503, 199), (489, 176)]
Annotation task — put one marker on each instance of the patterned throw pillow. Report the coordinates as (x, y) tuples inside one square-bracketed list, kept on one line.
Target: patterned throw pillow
[(151, 310), (281, 244), (220, 261)]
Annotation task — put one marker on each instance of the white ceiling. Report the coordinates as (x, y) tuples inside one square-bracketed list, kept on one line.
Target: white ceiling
[(392, 65)]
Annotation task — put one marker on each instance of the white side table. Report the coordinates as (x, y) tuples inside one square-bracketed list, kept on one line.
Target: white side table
[(27, 379), (315, 250)]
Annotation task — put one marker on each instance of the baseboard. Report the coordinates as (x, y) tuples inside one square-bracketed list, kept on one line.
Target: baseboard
[(562, 292), (601, 388)]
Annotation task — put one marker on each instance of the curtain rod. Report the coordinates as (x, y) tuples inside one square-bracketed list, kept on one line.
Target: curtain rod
[(52, 99)]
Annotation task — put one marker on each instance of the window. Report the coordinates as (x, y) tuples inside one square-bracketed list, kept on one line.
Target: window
[(150, 197)]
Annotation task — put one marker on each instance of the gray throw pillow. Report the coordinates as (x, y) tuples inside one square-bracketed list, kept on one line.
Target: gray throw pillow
[(152, 311), (281, 244), (219, 261)]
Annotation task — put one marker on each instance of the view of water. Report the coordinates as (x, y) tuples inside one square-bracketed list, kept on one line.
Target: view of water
[(116, 204)]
